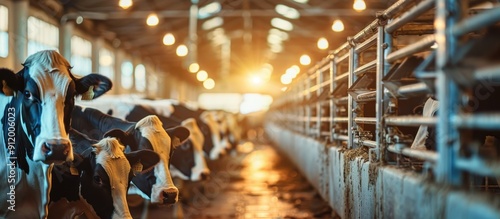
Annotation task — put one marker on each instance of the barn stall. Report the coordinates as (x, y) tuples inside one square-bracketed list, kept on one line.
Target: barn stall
[(396, 119)]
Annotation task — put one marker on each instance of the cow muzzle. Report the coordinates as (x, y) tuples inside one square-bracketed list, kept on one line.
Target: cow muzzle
[(170, 196), (56, 151)]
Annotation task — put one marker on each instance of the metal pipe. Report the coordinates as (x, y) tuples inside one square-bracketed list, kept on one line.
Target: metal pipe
[(477, 121), (342, 137), (417, 88), (341, 119), (410, 15), (396, 8), (410, 120), (341, 100), (342, 77), (366, 120), (366, 67), (418, 154), (368, 143), (479, 166), (477, 22), (341, 47), (366, 44), (367, 96), (341, 58), (487, 73), (419, 46), (369, 30)]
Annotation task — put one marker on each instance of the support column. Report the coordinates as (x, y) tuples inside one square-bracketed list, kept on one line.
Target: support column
[(193, 35), (96, 46), (65, 34), (20, 31)]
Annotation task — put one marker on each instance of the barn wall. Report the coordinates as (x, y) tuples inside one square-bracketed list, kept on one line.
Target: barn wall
[(357, 188)]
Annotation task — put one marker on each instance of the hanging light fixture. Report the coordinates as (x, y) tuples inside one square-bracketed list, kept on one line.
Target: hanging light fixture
[(181, 50), (152, 20), (209, 84), (322, 43), (337, 25), (305, 60), (202, 75), (359, 5), (194, 67), (125, 3), (168, 39)]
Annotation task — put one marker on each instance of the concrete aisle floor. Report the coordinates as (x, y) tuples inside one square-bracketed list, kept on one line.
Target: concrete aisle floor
[(255, 182)]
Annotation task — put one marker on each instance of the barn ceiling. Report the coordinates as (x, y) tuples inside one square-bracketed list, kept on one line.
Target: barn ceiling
[(246, 25)]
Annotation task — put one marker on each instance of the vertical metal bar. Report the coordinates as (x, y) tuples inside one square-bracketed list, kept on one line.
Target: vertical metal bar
[(379, 108), (333, 74), (193, 35), (319, 80), (308, 106), (447, 136), (351, 125)]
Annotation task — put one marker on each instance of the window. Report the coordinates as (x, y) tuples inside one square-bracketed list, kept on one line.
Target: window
[(41, 36), (152, 84), (127, 71), (81, 56), (4, 31), (140, 78), (106, 63)]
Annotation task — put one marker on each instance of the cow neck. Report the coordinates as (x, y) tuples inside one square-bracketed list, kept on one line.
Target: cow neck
[(82, 144), (139, 112), (105, 122)]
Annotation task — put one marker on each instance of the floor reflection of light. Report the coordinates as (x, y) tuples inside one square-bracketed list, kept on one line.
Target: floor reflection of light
[(246, 147)]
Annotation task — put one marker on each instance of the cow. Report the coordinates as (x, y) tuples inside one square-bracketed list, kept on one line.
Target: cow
[(132, 111), (148, 133), (100, 174), (36, 103)]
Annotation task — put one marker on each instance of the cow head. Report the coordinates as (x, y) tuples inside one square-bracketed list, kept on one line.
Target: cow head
[(156, 185), (219, 145), (200, 171), (44, 91), (105, 175)]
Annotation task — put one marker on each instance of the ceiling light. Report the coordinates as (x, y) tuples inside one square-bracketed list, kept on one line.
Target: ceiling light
[(202, 75), (125, 3), (212, 23), (209, 84), (286, 79), (282, 24), (305, 60), (152, 20), (79, 20), (168, 39), (181, 50), (282, 34), (337, 25), (209, 10), (194, 67), (359, 5), (301, 1), (322, 43), (256, 79), (287, 12)]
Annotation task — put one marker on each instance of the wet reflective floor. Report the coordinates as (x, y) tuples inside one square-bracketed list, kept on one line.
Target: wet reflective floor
[(254, 182)]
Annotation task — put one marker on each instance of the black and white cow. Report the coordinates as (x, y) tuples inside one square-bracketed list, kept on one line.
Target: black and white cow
[(100, 174), (148, 133), (134, 110), (36, 104)]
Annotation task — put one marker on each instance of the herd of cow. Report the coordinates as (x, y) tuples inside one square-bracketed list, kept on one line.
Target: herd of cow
[(62, 145)]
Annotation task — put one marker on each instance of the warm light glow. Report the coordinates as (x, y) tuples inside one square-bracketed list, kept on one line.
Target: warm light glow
[(182, 50), (168, 39), (286, 79), (194, 67), (322, 43), (301, 1), (202, 75), (287, 12), (305, 60), (212, 23), (152, 20), (256, 79), (209, 84), (209, 10), (293, 71), (337, 25), (359, 5), (282, 24), (125, 3)]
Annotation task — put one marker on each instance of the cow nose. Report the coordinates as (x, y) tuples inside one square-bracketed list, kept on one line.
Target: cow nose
[(205, 176), (56, 150), (170, 196)]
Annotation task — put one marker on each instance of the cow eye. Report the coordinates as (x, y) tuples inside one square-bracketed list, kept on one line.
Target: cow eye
[(98, 180), (185, 146), (28, 95)]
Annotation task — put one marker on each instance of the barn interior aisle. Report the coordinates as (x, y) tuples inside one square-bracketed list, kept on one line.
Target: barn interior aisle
[(256, 181)]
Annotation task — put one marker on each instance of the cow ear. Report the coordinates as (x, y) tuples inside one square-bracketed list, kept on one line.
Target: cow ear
[(180, 133), (92, 86), (120, 135), (142, 160), (11, 82)]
